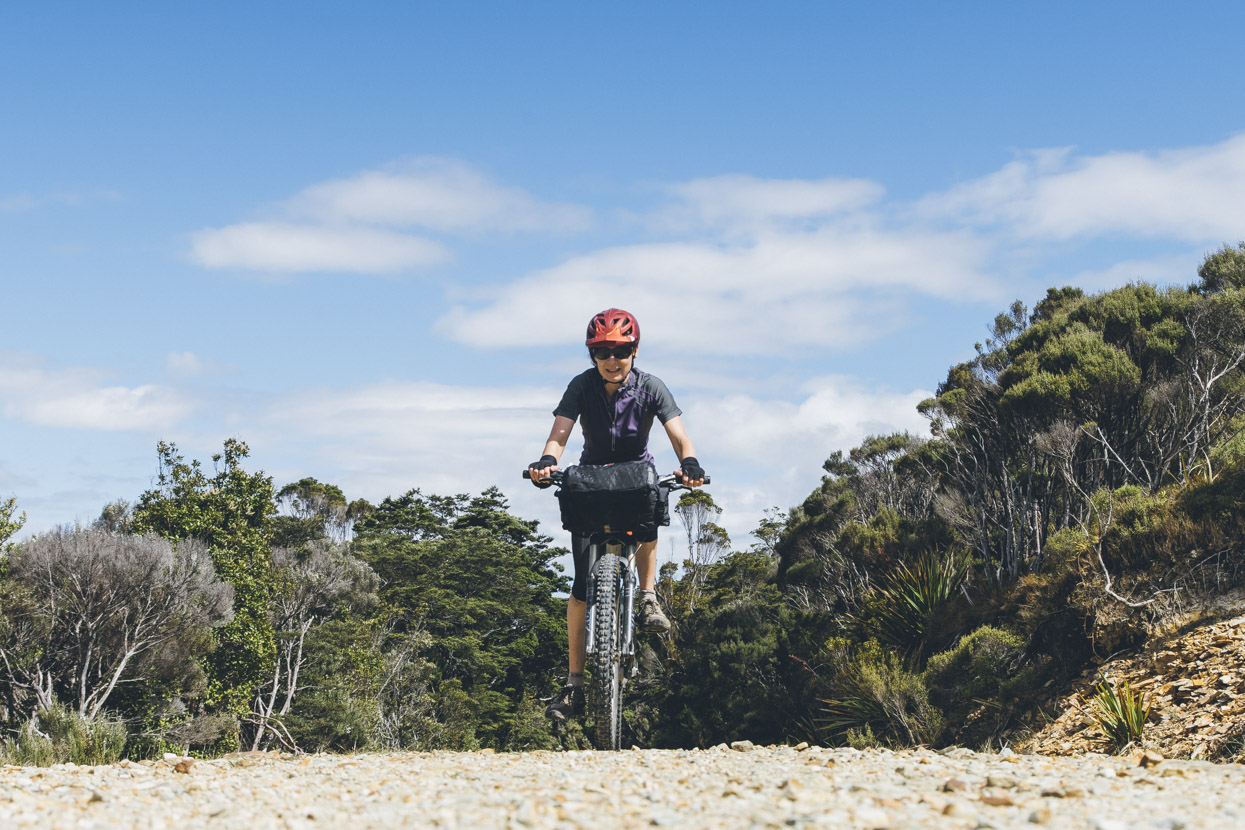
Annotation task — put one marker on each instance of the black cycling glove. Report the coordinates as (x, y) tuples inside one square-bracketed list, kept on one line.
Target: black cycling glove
[(545, 461), (692, 469)]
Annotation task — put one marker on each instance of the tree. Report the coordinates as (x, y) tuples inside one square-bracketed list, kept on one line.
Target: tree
[(96, 609), (309, 510), (997, 486), (1224, 269), (480, 584), (8, 524), (721, 672), (314, 584), (116, 517), (229, 512), (883, 475), (769, 530), (707, 541)]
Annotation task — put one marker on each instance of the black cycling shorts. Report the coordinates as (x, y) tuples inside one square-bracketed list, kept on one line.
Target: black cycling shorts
[(579, 553)]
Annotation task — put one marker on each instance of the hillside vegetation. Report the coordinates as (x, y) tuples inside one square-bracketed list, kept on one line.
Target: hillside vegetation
[(1081, 491)]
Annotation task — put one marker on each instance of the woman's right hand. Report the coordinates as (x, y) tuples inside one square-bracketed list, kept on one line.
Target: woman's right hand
[(540, 470)]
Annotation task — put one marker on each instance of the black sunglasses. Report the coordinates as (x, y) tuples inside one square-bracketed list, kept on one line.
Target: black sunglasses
[(618, 352)]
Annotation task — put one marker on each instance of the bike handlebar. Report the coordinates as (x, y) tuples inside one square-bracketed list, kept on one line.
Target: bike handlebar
[(669, 481)]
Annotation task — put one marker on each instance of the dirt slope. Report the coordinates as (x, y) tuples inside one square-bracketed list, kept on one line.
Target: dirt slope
[(1195, 683)]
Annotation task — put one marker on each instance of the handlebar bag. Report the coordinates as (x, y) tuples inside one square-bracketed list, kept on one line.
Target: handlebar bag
[(623, 496)]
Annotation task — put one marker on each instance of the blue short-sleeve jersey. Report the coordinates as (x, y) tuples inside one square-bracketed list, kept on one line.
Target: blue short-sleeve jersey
[(616, 430)]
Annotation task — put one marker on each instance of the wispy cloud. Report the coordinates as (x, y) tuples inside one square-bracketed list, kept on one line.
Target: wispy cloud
[(830, 412), (827, 287), (434, 194), (768, 451), (78, 398), (10, 481), (1191, 194), (364, 224), (749, 203), (386, 438), (290, 248)]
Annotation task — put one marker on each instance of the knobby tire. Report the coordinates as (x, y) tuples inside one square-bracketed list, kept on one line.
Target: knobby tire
[(606, 687)]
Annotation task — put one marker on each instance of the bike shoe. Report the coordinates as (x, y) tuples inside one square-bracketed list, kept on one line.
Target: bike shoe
[(566, 704), (652, 618)]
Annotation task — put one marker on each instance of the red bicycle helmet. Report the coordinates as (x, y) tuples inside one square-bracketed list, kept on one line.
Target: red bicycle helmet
[(613, 326)]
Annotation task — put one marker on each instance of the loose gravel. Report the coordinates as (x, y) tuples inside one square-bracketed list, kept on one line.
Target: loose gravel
[(743, 787)]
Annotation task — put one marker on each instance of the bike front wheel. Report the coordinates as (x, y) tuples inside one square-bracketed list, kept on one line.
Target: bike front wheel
[(605, 689)]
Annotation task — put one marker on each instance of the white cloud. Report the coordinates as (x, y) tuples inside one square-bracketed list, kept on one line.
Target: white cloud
[(750, 202), (78, 399), (348, 225), (827, 287), (835, 412), (824, 263), (389, 437), (1191, 194), (767, 452), (284, 247), (436, 194)]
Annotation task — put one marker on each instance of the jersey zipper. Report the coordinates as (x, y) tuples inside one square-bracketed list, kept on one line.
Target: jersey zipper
[(613, 405)]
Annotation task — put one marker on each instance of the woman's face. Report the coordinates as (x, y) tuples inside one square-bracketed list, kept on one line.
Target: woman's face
[(613, 362)]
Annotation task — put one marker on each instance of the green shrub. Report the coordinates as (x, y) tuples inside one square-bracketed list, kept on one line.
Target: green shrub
[(60, 736), (881, 699), (978, 663), (1063, 550), (1231, 450), (862, 738), (975, 683)]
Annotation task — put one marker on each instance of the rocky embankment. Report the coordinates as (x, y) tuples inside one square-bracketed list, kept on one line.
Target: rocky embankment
[(719, 788), (1195, 684)]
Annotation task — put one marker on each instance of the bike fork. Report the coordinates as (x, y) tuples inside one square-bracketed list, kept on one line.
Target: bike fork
[(590, 601), (629, 587)]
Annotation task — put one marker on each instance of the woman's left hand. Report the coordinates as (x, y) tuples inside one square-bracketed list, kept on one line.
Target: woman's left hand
[(690, 472)]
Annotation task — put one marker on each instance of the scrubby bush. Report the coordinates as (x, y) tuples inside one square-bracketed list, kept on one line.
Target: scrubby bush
[(880, 696), (90, 615), (977, 682), (979, 663), (58, 735)]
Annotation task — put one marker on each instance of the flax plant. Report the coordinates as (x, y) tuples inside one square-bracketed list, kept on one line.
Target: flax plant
[(1120, 713), (908, 597)]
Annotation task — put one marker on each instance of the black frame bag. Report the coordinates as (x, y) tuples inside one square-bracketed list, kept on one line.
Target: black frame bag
[(624, 496)]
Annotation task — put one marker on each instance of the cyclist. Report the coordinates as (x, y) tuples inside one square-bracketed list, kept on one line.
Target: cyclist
[(615, 404)]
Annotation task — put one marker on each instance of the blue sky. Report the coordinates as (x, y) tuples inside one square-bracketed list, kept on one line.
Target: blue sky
[(365, 238)]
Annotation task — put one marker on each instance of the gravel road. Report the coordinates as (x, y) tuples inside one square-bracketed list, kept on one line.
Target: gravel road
[(722, 787)]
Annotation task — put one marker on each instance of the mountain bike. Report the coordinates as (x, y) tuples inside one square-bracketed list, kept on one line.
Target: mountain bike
[(609, 623)]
